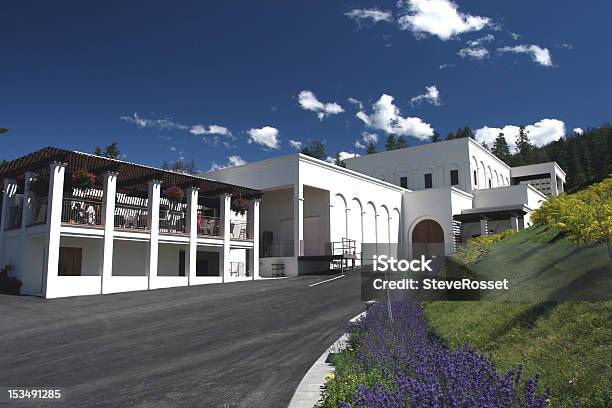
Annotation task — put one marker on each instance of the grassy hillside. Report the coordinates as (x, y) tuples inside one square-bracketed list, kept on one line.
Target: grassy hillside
[(568, 343)]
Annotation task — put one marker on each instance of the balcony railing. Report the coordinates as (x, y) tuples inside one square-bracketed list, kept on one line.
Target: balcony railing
[(38, 214), (83, 212), (271, 249), (239, 230), (237, 270), (14, 218), (172, 222), (209, 226), (131, 217)]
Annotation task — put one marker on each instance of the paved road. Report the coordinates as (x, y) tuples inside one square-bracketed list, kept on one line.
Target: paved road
[(242, 344)]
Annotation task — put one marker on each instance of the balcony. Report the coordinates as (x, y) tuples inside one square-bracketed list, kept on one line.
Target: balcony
[(14, 218), (208, 226), (131, 217), (81, 212), (38, 210), (172, 221), (239, 230)]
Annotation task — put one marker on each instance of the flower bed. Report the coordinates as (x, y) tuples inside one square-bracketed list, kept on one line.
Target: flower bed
[(398, 364)]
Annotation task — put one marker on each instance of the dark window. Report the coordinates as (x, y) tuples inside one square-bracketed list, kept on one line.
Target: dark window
[(428, 180), (404, 182), (70, 261), (489, 183), (454, 177), (475, 178)]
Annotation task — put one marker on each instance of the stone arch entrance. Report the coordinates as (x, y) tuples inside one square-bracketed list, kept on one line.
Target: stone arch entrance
[(427, 239)]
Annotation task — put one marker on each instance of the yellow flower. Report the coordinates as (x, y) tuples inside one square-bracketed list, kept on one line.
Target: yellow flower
[(330, 376)]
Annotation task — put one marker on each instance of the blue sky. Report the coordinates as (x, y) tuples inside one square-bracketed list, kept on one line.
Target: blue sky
[(226, 82)]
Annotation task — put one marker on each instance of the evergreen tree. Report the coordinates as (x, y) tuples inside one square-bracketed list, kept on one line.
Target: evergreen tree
[(391, 143), (316, 150), (401, 142), (3, 130), (111, 151), (371, 149), (524, 148), (436, 137), (501, 148), (338, 162)]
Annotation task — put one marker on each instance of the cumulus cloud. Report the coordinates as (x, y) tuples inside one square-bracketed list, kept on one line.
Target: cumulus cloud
[(387, 117), (540, 133), (476, 53), (578, 131), (356, 102), (441, 18), (308, 101), (342, 156), (432, 95), (366, 138), (210, 130), (538, 54), (296, 144), (266, 136), (232, 161), (375, 15)]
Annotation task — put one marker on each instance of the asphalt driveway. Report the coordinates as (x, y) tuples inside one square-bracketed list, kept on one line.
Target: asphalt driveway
[(242, 344)]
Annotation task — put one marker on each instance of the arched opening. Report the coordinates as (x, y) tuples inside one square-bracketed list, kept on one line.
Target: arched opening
[(427, 239)]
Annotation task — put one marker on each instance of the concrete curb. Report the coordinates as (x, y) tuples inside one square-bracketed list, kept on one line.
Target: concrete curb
[(308, 392)]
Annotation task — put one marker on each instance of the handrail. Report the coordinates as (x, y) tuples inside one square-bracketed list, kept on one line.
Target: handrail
[(209, 226), (270, 249), (129, 216), (239, 230), (81, 211)]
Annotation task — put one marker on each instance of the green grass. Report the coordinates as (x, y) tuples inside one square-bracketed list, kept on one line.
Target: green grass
[(568, 343)]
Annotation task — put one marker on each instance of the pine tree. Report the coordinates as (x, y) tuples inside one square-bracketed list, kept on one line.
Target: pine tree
[(338, 162), (436, 137), (524, 148), (401, 142), (316, 150), (3, 130), (391, 143), (501, 148), (371, 149), (111, 151)]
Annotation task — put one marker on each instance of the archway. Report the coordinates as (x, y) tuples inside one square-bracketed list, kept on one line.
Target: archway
[(427, 239)]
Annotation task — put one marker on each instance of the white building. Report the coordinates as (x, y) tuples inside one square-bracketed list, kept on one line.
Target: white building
[(428, 198), (303, 215), (123, 232)]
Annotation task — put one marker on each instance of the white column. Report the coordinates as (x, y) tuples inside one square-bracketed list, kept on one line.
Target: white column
[(191, 228), (553, 184), (10, 187), (153, 224), (108, 220), (484, 227), (225, 205), (298, 220), (514, 224), (54, 223), (253, 215)]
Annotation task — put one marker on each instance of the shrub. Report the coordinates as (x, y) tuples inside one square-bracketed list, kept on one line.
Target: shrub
[(83, 179), (174, 193), (419, 372), (477, 247)]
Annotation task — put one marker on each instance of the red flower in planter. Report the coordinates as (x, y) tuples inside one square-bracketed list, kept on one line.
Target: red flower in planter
[(174, 193), (83, 179)]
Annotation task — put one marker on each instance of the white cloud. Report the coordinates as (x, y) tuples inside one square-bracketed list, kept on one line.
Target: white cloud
[(540, 133), (368, 137), (515, 36), (438, 17), (375, 15), (444, 66), (308, 101), (356, 102), (479, 41), (387, 117), (342, 156), (295, 144), (232, 161), (210, 130), (142, 123), (266, 136), (578, 131), (564, 45), (538, 54), (477, 53), (432, 95), (359, 145)]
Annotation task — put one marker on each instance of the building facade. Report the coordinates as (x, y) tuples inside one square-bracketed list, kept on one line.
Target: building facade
[(77, 224)]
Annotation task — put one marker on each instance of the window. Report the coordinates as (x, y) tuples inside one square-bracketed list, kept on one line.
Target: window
[(428, 180), (70, 261), (454, 174), (475, 179), (489, 183), (404, 182)]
